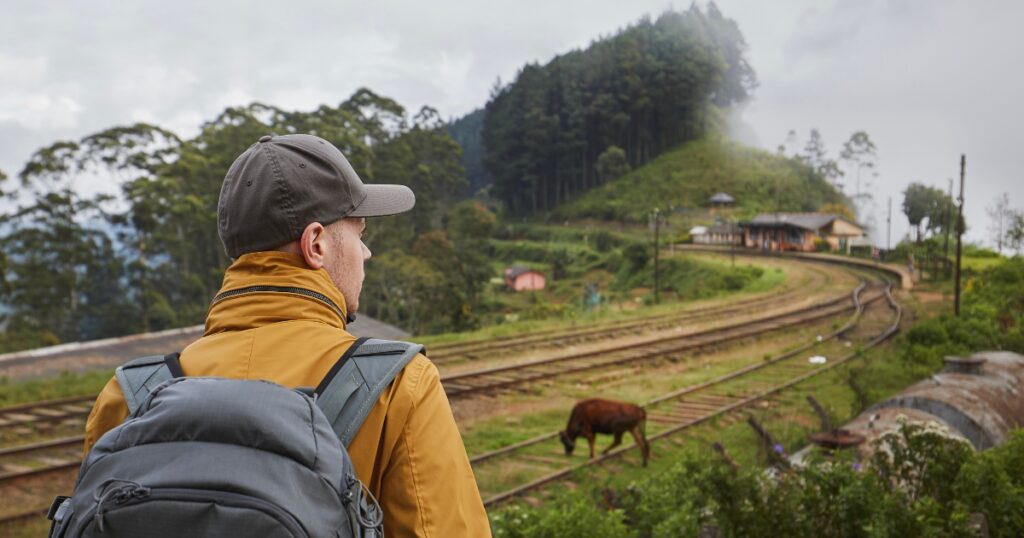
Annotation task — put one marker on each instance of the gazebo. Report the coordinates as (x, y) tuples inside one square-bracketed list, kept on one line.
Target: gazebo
[(722, 200)]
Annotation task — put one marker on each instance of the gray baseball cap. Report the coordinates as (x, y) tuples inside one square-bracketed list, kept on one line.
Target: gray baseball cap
[(281, 184)]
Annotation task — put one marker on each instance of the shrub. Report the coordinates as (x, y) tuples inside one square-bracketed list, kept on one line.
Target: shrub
[(604, 241), (636, 256), (919, 483), (570, 515)]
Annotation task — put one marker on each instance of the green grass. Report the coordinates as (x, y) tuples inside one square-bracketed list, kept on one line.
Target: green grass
[(979, 264), (568, 292), (687, 176), (64, 385), (789, 418)]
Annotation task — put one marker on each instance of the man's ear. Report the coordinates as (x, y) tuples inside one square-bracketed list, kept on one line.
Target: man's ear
[(313, 244)]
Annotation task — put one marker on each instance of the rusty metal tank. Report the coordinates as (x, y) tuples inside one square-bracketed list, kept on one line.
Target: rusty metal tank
[(979, 398)]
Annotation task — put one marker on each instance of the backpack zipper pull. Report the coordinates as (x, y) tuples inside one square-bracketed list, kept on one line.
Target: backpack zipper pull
[(118, 494)]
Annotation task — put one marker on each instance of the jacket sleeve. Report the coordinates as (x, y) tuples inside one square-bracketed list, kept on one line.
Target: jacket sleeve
[(428, 489), (109, 410)]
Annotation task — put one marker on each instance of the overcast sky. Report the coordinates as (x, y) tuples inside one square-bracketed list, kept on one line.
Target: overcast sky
[(927, 79)]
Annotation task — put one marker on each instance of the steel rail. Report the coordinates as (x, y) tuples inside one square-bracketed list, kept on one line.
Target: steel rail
[(692, 388), (700, 386), (610, 329), (60, 443), (536, 483), (39, 513), (44, 412), (64, 442), (460, 349), (644, 351), (17, 475)]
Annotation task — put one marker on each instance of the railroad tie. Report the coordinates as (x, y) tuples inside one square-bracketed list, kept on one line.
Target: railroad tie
[(51, 413), (19, 418)]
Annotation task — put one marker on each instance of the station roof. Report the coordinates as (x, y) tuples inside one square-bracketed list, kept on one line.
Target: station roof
[(806, 221)]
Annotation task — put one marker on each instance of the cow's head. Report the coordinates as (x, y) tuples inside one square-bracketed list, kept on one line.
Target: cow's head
[(568, 442)]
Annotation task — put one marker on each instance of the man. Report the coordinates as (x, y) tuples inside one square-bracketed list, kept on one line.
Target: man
[(291, 214)]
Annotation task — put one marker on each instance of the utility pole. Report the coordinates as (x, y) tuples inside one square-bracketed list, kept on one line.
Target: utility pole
[(949, 224), (657, 225), (959, 237), (888, 228)]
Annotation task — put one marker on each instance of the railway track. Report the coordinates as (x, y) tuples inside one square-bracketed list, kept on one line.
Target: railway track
[(41, 419), (492, 380), (454, 352), (690, 406), (63, 454), (56, 455)]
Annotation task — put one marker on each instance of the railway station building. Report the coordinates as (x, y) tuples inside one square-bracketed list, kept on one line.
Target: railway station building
[(804, 232), (719, 234)]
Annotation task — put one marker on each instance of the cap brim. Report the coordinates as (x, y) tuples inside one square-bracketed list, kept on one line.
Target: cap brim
[(384, 200)]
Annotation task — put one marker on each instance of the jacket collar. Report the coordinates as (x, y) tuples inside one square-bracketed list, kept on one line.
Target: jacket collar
[(269, 287)]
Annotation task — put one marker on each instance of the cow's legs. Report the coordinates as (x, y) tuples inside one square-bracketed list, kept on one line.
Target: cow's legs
[(615, 443), (590, 440), (641, 441)]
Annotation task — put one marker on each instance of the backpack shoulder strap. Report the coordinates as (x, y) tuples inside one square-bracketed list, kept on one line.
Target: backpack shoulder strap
[(140, 376), (352, 386)]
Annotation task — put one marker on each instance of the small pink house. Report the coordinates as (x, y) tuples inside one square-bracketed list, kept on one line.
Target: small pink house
[(520, 278)]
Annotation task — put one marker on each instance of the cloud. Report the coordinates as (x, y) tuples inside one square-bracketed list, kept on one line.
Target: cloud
[(927, 79)]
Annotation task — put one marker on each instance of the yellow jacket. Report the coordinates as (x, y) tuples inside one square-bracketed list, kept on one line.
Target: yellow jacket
[(408, 451)]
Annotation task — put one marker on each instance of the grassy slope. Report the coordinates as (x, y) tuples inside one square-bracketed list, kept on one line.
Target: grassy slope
[(687, 176)]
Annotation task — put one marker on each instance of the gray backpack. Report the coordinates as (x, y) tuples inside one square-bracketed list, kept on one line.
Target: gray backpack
[(208, 456)]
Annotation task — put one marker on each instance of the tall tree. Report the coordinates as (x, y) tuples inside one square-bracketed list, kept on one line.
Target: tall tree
[(645, 89), (816, 156), (924, 205), (61, 275), (466, 131), (1000, 215), (612, 164), (1015, 231), (860, 155)]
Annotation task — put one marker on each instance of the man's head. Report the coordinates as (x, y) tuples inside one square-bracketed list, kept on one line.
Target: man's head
[(298, 193)]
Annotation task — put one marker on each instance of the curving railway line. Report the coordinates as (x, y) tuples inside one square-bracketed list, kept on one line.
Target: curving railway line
[(454, 352), (678, 410), (690, 406), (492, 380)]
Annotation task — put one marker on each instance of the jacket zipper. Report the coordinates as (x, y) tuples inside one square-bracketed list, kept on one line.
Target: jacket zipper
[(133, 496), (280, 289)]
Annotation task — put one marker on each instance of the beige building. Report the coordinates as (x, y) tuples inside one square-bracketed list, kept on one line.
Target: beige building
[(799, 231)]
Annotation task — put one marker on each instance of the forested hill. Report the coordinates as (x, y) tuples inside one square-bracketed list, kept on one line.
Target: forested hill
[(565, 127), (467, 132), (687, 176)]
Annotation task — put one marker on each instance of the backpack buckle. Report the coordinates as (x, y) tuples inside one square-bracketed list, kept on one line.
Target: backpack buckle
[(56, 510)]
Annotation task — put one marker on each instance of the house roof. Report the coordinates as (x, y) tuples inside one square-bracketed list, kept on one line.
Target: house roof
[(722, 198), (806, 221), (516, 270)]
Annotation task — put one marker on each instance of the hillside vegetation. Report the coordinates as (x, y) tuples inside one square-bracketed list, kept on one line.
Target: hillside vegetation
[(687, 176), (562, 128)]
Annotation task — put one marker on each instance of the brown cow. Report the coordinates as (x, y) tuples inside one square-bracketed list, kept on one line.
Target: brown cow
[(590, 417)]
